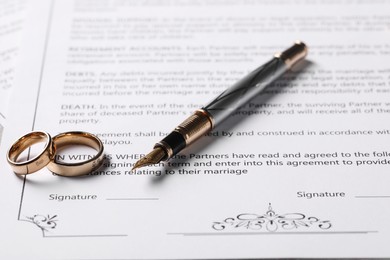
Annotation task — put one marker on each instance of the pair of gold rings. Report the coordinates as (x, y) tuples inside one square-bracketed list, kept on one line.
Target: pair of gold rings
[(47, 157)]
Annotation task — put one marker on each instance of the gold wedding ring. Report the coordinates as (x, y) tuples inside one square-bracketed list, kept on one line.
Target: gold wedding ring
[(36, 163), (77, 168)]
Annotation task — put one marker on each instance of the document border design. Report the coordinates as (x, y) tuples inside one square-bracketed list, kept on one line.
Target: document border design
[(45, 223), (271, 221)]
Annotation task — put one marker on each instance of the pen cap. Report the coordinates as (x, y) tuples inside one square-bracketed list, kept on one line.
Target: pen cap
[(252, 84), (293, 54), (248, 87)]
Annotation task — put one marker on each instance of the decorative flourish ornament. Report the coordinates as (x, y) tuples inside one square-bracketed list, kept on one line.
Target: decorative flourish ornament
[(271, 222), (45, 223)]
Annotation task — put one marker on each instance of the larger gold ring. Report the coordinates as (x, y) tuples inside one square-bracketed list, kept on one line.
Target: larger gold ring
[(36, 163), (78, 168)]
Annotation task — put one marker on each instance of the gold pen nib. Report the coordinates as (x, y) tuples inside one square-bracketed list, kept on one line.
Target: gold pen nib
[(155, 156)]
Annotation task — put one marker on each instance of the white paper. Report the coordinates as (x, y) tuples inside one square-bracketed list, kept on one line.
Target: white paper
[(301, 171), (12, 14)]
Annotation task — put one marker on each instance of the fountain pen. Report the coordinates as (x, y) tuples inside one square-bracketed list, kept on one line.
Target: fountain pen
[(206, 118)]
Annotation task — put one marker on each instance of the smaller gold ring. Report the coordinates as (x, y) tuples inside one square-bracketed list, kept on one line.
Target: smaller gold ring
[(36, 163), (78, 168)]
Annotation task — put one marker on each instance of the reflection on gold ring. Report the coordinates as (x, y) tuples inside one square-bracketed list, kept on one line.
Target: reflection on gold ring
[(36, 163), (78, 168)]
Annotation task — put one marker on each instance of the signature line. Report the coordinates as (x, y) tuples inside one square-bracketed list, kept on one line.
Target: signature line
[(132, 199), (373, 197)]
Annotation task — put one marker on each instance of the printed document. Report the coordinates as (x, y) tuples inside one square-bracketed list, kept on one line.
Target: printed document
[(12, 14), (303, 170)]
